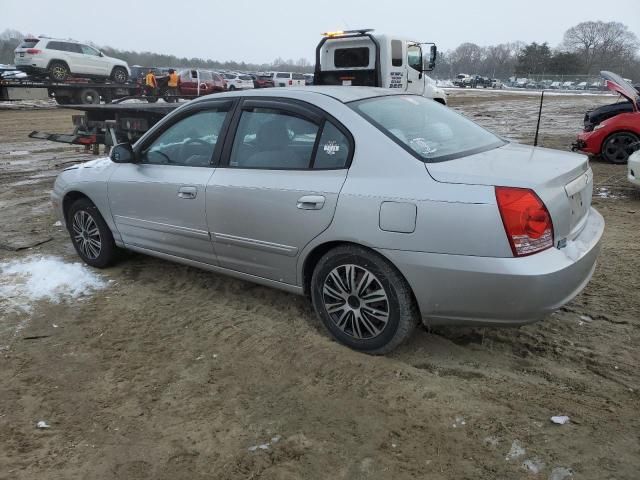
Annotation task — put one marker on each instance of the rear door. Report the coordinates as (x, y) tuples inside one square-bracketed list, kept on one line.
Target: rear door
[(284, 164), (159, 203)]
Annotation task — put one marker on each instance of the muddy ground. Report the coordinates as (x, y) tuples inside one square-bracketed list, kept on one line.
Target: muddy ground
[(174, 373)]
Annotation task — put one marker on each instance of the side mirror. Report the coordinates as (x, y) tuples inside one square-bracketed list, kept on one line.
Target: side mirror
[(123, 153), (430, 63)]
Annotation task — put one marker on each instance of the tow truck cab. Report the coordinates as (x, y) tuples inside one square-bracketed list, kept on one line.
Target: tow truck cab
[(362, 58)]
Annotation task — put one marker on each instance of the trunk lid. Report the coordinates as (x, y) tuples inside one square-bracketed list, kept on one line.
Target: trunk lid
[(562, 180)]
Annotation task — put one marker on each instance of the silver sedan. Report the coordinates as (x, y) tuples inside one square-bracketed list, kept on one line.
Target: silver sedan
[(386, 209)]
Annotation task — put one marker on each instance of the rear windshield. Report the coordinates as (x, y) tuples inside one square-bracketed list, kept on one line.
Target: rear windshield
[(283, 75), (245, 77), (29, 43), (428, 130), (351, 57), (298, 76)]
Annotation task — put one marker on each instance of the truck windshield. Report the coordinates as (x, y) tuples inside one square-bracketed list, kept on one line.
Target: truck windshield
[(428, 130)]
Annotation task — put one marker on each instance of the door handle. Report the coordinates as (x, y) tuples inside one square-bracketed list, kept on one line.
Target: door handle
[(311, 202), (188, 192), (409, 81)]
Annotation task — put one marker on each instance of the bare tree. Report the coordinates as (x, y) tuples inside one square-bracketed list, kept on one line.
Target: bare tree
[(601, 44)]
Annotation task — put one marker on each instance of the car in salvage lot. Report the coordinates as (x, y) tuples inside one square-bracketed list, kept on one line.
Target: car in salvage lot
[(612, 130), (386, 208)]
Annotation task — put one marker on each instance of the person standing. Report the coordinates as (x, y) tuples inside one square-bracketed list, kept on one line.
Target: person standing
[(172, 85), (150, 84)]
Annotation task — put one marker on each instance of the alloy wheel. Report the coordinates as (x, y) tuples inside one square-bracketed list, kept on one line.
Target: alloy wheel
[(356, 301), (86, 234), (619, 147)]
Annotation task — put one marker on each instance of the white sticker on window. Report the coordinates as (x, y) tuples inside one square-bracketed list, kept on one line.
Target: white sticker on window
[(331, 147)]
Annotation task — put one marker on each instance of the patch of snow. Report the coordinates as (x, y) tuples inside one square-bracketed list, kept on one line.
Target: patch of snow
[(533, 465), (586, 318), (516, 451), (265, 446), (57, 224), (98, 163), (19, 152), (42, 424), (459, 422), (560, 419), (492, 441), (50, 278), (561, 473)]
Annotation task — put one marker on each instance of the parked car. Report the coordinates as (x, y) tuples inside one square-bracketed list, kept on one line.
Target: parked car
[(308, 79), (568, 85), (634, 166), (555, 85), (64, 58), (386, 208), (195, 83), (237, 81), (288, 79), (263, 81), (495, 83), (612, 130), (582, 86), (462, 80)]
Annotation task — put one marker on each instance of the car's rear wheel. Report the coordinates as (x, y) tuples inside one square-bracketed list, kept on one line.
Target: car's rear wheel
[(618, 147), (232, 87), (90, 235), (58, 71), (363, 300), (119, 75)]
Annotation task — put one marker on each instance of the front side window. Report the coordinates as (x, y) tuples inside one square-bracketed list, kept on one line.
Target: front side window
[(414, 57), (273, 139), (351, 57), (87, 50), (189, 142), (432, 132)]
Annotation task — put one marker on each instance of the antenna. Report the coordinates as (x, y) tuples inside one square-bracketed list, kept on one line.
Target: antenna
[(535, 141)]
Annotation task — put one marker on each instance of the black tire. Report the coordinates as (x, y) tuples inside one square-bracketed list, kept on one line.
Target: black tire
[(88, 96), (618, 147), (232, 88), (152, 99), (63, 100), (77, 219), (58, 71), (119, 75), (402, 313)]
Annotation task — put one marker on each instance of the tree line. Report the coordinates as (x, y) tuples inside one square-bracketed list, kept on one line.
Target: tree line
[(586, 49)]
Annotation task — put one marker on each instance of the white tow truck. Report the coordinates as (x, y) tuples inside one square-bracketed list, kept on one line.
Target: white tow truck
[(363, 58)]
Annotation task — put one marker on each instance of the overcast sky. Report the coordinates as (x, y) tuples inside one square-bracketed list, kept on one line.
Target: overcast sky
[(258, 32)]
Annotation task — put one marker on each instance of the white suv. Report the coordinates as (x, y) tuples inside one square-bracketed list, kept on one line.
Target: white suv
[(63, 58), (288, 79), (238, 81)]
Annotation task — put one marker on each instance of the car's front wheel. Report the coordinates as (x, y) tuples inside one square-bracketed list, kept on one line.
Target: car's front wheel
[(363, 300), (90, 235), (619, 146)]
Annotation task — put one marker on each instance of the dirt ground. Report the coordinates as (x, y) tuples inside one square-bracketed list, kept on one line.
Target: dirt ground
[(175, 373)]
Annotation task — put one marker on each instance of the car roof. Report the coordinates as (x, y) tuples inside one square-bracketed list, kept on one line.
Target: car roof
[(340, 93)]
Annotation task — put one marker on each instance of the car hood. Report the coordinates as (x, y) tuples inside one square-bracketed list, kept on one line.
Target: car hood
[(616, 83), (514, 165)]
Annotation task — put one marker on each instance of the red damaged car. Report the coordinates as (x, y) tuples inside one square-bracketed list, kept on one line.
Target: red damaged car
[(612, 131)]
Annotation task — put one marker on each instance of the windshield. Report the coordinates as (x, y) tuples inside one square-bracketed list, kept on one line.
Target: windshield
[(432, 132)]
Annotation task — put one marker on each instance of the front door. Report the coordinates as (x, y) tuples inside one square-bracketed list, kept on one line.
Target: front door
[(277, 187), (415, 77), (93, 62), (159, 203)]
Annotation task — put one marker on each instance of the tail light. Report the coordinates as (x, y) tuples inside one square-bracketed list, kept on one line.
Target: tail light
[(290, 82), (526, 220), (33, 51)]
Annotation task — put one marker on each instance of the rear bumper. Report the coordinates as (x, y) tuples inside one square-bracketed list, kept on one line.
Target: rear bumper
[(466, 290)]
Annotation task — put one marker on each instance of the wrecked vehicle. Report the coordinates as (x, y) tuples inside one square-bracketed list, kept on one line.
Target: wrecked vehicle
[(612, 130)]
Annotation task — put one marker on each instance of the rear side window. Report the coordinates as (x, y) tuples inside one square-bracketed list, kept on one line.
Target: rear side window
[(351, 57), (333, 149), (245, 77), (396, 53), (29, 43), (273, 139)]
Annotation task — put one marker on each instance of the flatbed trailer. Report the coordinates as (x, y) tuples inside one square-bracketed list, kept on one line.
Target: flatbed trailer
[(73, 91), (109, 124)]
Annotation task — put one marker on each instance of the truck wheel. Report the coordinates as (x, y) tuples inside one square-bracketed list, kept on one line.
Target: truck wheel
[(63, 100), (58, 71), (363, 300), (618, 147), (88, 96), (119, 75)]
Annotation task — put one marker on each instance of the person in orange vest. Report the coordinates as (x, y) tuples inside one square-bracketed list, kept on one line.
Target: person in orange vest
[(172, 85), (150, 84)]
